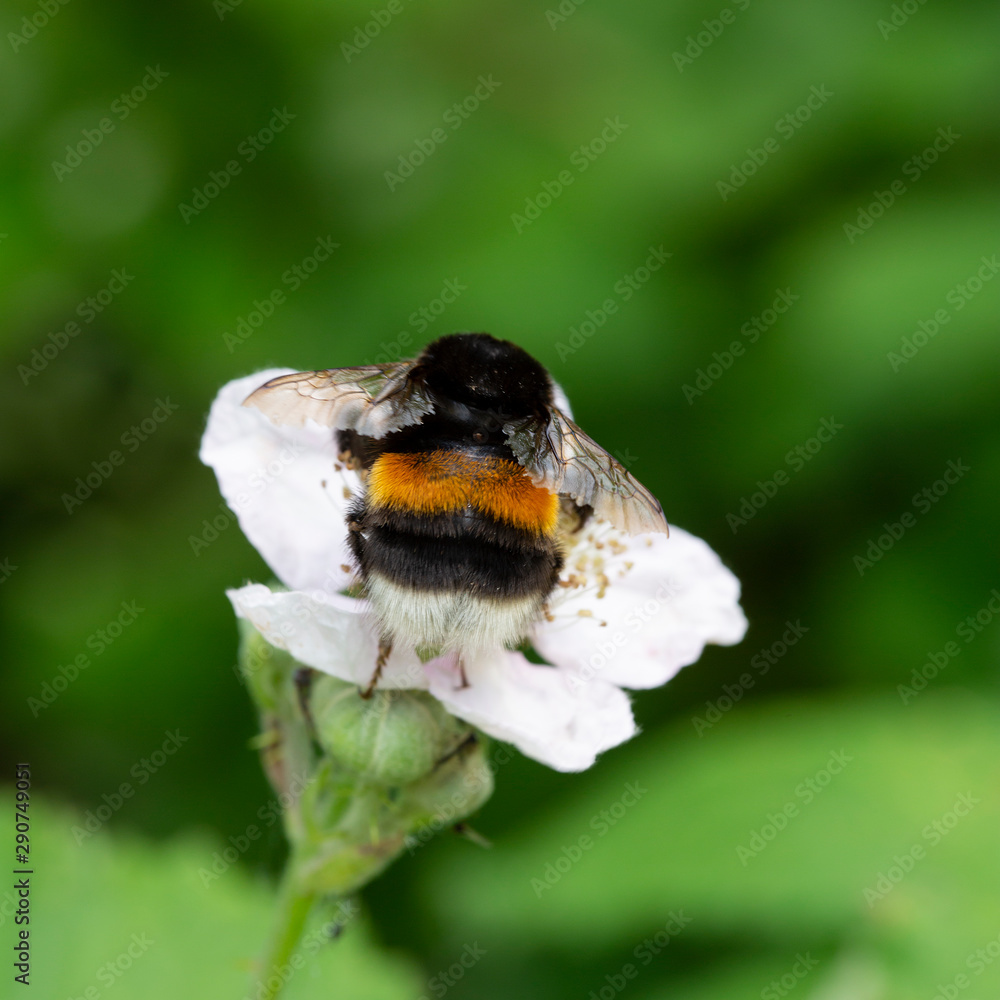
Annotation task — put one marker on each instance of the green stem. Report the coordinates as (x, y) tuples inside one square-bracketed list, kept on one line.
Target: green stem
[(293, 908)]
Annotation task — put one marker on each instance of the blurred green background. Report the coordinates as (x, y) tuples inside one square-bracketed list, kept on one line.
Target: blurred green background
[(776, 151)]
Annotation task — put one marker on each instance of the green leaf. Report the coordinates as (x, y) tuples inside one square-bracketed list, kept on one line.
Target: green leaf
[(119, 913), (826, 802)]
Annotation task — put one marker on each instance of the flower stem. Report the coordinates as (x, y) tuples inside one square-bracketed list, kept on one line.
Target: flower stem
[(293, 907)]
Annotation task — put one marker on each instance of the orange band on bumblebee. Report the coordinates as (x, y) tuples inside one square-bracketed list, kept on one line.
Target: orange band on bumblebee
[(437, 482)]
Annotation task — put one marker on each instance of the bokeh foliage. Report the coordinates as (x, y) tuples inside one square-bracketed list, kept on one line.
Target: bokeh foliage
[(163, 339)]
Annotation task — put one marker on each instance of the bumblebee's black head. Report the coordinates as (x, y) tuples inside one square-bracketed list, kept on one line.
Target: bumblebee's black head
[(489, 374)]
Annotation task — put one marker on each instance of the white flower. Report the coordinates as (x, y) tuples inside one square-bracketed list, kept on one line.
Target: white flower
[(629, 612)]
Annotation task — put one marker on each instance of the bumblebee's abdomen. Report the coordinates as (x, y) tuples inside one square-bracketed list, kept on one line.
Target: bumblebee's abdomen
[(457, 550), (438, 482), (475, 566)]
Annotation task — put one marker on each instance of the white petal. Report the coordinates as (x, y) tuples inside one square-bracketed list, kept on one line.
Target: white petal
[(325, 631), (638, 609), (537, 708), (285, 486)]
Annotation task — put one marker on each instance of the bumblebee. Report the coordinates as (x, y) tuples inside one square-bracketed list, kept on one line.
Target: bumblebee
[(468, 468)]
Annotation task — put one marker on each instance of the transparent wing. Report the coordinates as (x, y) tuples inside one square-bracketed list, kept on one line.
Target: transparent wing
[(565, 460), (373, 400)]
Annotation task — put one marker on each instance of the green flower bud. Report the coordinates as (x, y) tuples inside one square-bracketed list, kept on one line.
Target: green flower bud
[(393, 738), (353, 832), (360, 779)]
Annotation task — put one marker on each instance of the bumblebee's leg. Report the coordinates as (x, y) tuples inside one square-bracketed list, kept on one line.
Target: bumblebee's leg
[(461, 673), (384, 649)]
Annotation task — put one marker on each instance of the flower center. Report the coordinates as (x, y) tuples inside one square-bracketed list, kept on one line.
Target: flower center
[(589, 569)]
